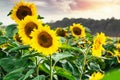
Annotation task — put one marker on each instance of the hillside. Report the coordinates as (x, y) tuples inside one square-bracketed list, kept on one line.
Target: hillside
[(111, 27)]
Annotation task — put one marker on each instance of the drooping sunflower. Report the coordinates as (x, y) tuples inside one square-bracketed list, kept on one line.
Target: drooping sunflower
[(77, 30), (22, 9), (98, 43), (61, 32), (96, 76), (45, 40), (26, 26)]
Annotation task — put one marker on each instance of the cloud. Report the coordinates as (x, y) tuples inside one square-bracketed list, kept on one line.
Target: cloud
[(58, 6), (86, 4), (92, 4)]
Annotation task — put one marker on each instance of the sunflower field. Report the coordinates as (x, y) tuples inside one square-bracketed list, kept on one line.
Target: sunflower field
[(31, 50)]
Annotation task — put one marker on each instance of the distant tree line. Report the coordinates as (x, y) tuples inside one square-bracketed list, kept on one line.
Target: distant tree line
[(110, 26)]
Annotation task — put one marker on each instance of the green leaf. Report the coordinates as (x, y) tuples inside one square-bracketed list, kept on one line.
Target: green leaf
[(28, 74), (94, 66), (9, 13), (44, 68), (112, 75), (40, 17), (71, 68), (14, 75), (64, 73), (39, 77), (3, 40), (19, 48), (60, 56), (68, 47), (11, 30), (7, 64)]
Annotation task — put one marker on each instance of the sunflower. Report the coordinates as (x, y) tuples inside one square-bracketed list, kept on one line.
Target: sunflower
[(77, 30), (61, 32), (97, 50), (45, 40), (22, 9), (96, 76), (97, 44), (100, 38), (26, 26)]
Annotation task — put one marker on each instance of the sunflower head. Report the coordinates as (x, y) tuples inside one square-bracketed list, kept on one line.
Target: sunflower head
[(26, 26), (61, 32), (100, 38), (96, 76), (77, 30), (23, 9), (97, 48), (45, 40)]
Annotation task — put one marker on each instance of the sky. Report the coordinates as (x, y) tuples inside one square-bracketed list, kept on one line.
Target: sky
[(53, 10)]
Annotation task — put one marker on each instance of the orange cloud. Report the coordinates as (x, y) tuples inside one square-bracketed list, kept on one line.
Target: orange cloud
[(91, 4)]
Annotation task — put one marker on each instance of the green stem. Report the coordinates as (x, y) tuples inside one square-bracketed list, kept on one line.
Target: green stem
[(37, 67), (83, 66), (51, 68), (84, 62)]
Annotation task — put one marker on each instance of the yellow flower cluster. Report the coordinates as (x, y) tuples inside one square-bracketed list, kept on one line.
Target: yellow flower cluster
[(32, 31), (98, 43)]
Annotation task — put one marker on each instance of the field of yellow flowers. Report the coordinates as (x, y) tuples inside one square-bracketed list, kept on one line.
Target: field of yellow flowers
[(31, 50)]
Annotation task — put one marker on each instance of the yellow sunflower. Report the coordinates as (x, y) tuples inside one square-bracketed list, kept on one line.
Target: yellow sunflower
[(97, 48), (61, 32), (77, 30), (22, 9), (45, 40), (100, 38), (26, 26), (96, 76)]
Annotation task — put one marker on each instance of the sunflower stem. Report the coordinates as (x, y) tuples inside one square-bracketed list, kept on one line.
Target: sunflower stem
[(83, 66), (84, 62), (51, 68), (37, 67)]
